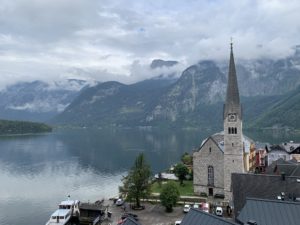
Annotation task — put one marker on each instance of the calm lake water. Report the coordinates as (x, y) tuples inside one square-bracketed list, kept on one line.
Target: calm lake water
[(39, 171)]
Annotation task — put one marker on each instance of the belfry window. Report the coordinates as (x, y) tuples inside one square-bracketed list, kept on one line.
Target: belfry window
[(232, 130), (210, 176)]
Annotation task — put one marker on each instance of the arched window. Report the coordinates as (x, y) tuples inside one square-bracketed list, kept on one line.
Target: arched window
[(210, 176), (235, 130), (229, 130)]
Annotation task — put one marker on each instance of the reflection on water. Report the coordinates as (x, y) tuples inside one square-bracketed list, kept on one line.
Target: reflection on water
[(37, 172)]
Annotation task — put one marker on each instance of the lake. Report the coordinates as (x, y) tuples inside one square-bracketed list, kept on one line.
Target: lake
[(39, 171)]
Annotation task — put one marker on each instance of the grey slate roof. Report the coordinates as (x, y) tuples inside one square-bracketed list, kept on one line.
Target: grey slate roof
[(270, 212), (218, 139), (262, 186), (290, 168), (130, 221), (291, 147), (198, 217)]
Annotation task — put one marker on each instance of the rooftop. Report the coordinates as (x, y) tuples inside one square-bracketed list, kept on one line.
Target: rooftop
[(130, 221), (198, 217), (92, 207), (289, 168), (270, 212), (262, 186), (218, 138)]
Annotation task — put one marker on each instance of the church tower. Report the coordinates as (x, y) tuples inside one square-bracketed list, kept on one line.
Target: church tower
[(233, 134)]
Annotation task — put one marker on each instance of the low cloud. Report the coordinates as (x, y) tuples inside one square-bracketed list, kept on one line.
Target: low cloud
[(116, 39)]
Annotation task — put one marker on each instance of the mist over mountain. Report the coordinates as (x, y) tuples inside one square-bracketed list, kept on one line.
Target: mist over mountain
[(37, 100), (194, 100)]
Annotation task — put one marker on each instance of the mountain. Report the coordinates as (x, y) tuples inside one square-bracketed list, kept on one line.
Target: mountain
[(37, 100), (158, 63), (190, 100), (113, 103), (194, 100), (284, 111)]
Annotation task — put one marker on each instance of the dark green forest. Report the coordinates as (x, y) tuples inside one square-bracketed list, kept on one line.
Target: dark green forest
[(22, 127)]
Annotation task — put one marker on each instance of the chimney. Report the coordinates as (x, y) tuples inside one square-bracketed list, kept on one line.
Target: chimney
[(283, 176)]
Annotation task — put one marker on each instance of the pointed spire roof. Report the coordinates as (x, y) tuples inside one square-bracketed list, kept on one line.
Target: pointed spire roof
[(232, 103)]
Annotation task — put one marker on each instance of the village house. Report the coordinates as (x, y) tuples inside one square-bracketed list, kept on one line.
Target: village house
[(257, 158), (276, 152)]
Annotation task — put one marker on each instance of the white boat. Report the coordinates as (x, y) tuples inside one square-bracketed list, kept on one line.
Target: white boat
[(60, 217), (72, 205), (66, 209)]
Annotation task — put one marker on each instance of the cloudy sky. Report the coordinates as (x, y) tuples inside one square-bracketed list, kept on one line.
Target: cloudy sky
[(117, 39)]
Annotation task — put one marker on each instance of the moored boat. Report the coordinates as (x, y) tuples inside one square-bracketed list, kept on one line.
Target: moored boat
[(66, 210), (60, 217), (72, 205)]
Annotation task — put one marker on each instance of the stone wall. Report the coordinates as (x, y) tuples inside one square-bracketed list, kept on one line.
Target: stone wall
[(209, 155)]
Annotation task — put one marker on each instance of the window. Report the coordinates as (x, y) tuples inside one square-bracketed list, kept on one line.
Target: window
[(232, 130), (209, 149), (210, 176)]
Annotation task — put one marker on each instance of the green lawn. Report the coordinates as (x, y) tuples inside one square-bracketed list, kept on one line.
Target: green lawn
[(185, 190)]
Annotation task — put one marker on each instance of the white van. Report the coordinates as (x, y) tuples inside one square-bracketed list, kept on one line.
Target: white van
[(219, 211)]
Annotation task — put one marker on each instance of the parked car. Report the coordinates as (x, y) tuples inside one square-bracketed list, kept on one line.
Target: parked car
[(205, 207), (186, 208), (178, 222), (219, 211), (119, 202)]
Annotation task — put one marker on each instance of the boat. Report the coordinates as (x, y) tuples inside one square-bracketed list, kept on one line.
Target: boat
[(66, 210), (60, 217), (72, 205)]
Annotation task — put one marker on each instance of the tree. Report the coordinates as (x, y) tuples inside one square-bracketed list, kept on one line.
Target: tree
[(187, 159), (137, 184), (169, 195), (181, 171)]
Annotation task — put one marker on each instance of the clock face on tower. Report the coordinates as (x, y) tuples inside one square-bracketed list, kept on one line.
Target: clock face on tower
[(232, 117)]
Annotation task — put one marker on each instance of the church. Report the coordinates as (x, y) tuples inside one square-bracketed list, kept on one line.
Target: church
[(223, 153)]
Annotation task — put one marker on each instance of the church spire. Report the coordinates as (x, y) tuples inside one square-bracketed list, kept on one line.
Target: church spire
[(232, 102)]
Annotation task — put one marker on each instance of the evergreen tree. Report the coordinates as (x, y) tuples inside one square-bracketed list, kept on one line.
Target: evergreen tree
[(137, 184)]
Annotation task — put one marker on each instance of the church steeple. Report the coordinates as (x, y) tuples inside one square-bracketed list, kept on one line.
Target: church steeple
[(233, 129), (232, 102)]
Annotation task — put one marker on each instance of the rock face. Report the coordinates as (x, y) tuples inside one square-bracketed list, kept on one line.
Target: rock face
[(38, 101), (199, 84), (195, 99), (113, 103)]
